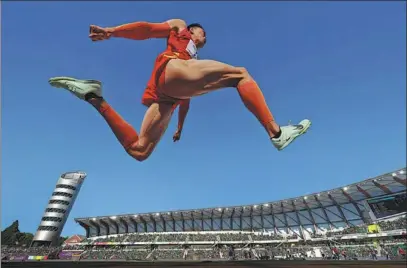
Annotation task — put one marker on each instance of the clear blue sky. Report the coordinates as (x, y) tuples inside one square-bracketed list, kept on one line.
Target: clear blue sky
[(341, 64)]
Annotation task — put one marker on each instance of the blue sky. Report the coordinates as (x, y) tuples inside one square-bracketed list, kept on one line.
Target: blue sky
[(340, 64)]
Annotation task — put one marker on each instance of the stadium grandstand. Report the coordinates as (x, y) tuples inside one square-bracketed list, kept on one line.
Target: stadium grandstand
[(352, 205), (364, 220), (368, 216)]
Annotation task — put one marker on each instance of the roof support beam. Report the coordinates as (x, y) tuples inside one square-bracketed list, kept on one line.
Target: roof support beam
[(97, 226), (273, 218), (126, 225), (363, 191), (382, 187), (311, 216), (339, 209), (221, 219), (143, 221), (193, 221), (116, 226), (231, 218), (355, 205), (212, 219), (241, 218), (152, 220), (323, 211), (285, 218), (262, 217), (135, 224), (401, 181), (182, 221), (86, 227), (107, 227), (203, 221), (298, 220), (173, 221), (251, 218), (164, 222)]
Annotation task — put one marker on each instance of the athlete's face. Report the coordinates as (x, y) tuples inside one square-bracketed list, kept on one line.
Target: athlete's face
[(198, 36)]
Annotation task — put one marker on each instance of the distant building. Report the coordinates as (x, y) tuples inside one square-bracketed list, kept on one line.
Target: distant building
[(74, 239), (58, 208)]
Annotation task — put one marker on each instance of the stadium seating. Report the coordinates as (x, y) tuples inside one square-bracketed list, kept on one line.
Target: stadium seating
[(354, 242), (217, 245)]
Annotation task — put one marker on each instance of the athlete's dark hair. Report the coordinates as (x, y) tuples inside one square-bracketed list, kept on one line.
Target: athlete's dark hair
[(195, 25)]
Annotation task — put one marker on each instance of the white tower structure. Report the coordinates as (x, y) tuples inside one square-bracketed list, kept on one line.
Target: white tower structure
[(58, 208)]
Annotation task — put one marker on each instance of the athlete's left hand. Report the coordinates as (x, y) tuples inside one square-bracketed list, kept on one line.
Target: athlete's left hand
[(177, 136)]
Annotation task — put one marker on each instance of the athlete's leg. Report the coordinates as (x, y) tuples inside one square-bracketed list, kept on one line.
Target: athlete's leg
[(153, 127), (196, 77), (154, 124), (184, 79), (123, 131)]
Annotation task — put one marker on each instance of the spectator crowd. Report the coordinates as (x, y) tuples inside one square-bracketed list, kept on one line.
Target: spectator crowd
[(231, 245)]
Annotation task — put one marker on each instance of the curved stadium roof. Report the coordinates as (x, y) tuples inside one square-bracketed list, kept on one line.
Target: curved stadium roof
[(340, 207)]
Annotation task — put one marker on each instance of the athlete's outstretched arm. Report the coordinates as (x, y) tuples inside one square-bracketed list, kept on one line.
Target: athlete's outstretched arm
[(182, 114), (144, 30), (140, 30)]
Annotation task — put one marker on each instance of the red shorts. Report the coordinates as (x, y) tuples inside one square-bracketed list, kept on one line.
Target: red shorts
[(154, 91)]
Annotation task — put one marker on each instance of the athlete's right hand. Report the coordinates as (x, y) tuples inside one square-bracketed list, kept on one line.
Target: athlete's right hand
[(97, 33), (177, 136)]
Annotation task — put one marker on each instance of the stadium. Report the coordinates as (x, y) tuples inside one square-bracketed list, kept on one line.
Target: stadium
[(362, 221), (299, 217)]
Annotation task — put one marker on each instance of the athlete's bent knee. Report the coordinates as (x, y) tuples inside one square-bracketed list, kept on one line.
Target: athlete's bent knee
[(245, 73), (244, 76), (138, 152), (139, 156)]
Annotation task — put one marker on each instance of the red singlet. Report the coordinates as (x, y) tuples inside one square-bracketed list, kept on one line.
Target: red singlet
[(179, 46)]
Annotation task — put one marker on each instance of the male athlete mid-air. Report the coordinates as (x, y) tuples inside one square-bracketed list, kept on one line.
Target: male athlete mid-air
[(178, 76)]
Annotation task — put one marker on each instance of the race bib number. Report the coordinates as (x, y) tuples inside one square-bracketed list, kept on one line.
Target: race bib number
[(192, 50)]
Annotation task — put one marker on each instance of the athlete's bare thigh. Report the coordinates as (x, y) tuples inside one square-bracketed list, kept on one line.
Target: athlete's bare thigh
[(154, 125), (184, 79)]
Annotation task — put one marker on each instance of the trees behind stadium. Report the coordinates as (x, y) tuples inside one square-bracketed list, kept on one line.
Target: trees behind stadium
[(11, 236)]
